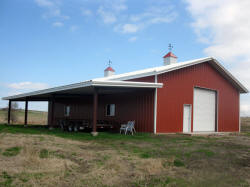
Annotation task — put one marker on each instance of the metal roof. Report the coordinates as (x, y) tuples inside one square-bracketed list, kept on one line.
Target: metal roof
[(119, 80), (176, 66)]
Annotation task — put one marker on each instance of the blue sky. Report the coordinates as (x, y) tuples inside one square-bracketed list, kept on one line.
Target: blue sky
[(46, 43)]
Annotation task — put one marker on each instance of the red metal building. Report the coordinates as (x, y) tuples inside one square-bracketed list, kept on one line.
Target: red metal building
[(192, 96)]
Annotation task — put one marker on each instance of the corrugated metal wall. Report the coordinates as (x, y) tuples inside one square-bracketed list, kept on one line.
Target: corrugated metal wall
[(136, 106), (144, 79), (178, 90)]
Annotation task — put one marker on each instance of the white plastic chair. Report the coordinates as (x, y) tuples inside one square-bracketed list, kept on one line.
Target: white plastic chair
[(129, 127)]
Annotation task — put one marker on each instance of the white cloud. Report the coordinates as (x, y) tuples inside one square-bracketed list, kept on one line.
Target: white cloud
[(156, 14), (27, 86), (110, 10), (129, 28), (107, 17), (44, 3), (73, 28), (224, 26), (132, 39), (86, 12), (58, 24), (52, 9), (124, 19), (119, 6), (115, 6)]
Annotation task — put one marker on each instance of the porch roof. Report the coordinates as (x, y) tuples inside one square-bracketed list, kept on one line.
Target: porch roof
[(86, 87)]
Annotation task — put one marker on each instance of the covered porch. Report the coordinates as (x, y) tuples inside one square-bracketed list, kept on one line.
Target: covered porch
[(89, 101)]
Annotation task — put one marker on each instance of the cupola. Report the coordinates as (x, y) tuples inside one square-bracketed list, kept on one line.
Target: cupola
[(170, 58), (109, 71)]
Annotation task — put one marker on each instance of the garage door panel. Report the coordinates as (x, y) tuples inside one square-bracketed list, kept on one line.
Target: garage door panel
[(204, 110)]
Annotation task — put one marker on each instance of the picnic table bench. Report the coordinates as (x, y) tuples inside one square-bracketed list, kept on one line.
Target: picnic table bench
[(81, 124)]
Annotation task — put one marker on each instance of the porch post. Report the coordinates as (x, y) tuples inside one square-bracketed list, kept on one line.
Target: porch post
[(95, 108), (9, 111), (49, 112), (26, 113), (52, 111)]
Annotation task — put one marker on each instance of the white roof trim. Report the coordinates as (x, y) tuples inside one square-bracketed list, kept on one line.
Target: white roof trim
[(109, 83), (129, 84)]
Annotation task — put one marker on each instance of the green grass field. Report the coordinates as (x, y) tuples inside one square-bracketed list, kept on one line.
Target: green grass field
[(37, 156)]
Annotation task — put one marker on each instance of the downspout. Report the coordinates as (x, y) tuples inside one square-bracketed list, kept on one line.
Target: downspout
[(155, 106)]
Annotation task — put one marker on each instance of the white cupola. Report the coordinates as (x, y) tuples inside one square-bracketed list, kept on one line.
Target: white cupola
[(170, 58), (109, 71)]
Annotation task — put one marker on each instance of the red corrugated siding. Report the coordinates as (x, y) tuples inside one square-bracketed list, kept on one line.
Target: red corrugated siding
[(144, 79), (178, 90), (146, 106), (136, 106)]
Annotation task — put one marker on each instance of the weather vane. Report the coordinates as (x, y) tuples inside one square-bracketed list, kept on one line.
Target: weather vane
[(109, 63), (170, 47)]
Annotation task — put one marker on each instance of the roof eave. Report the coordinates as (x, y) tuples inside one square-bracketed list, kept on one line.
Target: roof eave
[(127, 84), (241, 88), (87, 84), (49, 90)]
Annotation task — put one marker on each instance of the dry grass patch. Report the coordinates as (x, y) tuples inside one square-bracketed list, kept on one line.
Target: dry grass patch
[(67, 162), (143, 160)]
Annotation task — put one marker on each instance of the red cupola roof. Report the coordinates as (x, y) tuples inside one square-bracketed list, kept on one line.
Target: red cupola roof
[(109, 69), (170, 54)]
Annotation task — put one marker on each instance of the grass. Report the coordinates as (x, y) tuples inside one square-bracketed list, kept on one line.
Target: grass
[(245, 124), (208, 153), (164, 181), (14, 129), (13, 151), (7, 179), (178, 163), (53, 157), (44, 153)]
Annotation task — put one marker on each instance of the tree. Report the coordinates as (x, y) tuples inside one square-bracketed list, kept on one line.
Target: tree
[(13, 113)]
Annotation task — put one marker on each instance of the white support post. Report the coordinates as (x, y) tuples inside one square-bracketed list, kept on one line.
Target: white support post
[(239, 115)]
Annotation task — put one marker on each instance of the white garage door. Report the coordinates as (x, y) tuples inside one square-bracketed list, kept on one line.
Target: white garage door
[(204, 110)]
